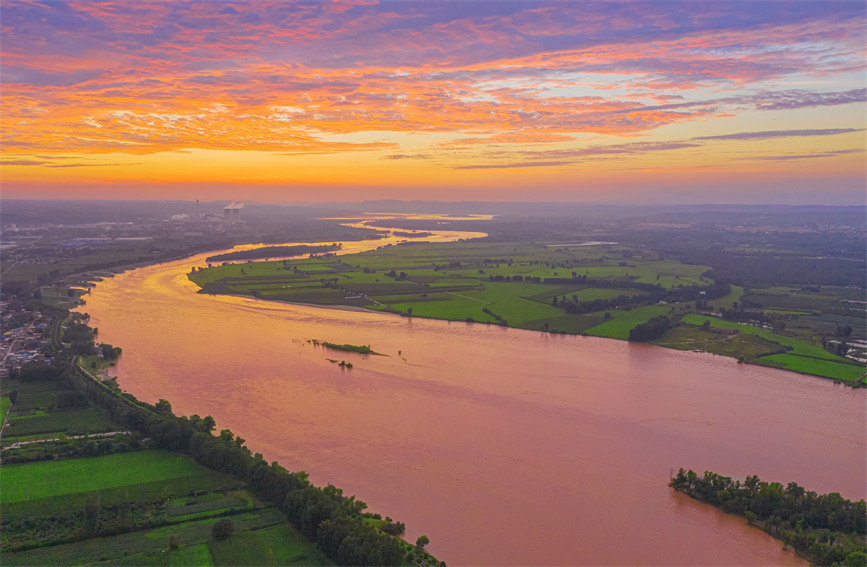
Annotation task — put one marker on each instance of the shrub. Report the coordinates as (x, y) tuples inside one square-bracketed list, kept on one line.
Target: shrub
[(223, 529)]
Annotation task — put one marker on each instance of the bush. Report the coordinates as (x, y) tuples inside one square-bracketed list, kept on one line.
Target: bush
[(223, 529)]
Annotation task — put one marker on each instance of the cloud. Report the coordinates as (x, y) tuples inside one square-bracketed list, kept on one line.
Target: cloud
[(780, 134), (407, 156), (515, 165), (635, 148), (90, 164), (484, 73), (790, 100), (23, 162), (805, 156)]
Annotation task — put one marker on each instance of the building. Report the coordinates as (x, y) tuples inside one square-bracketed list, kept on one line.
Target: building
[(232, 213)]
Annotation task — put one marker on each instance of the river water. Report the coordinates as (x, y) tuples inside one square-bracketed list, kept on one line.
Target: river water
[(506, 447)]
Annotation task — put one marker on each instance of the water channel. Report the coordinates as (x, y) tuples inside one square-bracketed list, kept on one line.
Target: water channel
[(505, 447)]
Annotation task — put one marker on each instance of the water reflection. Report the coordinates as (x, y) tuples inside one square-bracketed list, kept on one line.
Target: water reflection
[(504, 446)]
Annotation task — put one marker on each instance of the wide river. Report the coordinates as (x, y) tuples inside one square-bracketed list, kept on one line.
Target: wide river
[(506, 447)]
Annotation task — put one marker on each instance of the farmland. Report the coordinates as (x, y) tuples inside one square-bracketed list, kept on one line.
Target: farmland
[(515, 283), (33, 481), (602, 290)]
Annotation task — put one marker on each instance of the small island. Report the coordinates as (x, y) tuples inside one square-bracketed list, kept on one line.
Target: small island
[(404, 234), (360, 349), (825, 529), (274, 251)]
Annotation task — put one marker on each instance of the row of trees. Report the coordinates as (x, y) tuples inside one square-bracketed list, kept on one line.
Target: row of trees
[(650, 330), (825, 528), (346, 539)]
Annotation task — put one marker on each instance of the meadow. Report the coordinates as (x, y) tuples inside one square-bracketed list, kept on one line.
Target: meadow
[(800, 356), (478, 281), (33, 481)]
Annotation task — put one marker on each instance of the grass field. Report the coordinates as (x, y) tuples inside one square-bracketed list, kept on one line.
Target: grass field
[(623, 321), (728, 301), (803, 357), (814, 366), (5, 403), (38, 480), (72, 422), (735, 345), (140, 548), (276, 545), (204, 481), (457, 281)]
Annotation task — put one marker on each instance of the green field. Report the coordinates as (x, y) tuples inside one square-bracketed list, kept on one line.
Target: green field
[(729, 300), (38, 480), (460, 281), (814, 366), (5, 403), (72, 422), (149, 547), (736, 345), (802, 356), (623, 321), (798, 347), (277, 545)]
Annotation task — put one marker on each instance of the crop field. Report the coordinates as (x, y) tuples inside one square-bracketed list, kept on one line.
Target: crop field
[(72, 422), (204, 480), (821, 300), (5, 403), (459, 281), (30, 398), (182, 509), (276, 545), (124, 548), (33, 481)]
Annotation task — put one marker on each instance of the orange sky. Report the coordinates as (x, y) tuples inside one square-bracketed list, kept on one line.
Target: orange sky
[(576, 101)]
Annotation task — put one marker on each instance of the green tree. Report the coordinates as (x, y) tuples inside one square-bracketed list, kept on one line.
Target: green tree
[(422, 541), (223, 529)]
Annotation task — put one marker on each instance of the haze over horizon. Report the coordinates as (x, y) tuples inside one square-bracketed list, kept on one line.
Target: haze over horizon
[(627, 102)]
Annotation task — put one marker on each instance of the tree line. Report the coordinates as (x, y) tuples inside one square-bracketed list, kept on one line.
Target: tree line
[(826, 529), (325, 515)]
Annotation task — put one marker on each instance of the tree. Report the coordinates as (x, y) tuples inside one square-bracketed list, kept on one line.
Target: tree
[(91, 513), (422, 541), (164, 407), (223, 529)]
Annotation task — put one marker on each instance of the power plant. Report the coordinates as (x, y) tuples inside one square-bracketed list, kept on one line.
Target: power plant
[(232, 213)]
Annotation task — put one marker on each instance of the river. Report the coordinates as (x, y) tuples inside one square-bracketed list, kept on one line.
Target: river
[(504, 446)]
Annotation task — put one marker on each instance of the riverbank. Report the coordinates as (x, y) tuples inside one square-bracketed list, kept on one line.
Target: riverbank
[(466, 412), (824, 529), (534, 287)]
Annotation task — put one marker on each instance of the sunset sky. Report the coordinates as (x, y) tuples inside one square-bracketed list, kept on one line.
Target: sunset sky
[(639, 102)]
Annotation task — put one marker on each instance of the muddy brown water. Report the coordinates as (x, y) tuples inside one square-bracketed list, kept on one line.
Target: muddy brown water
[(505, 447)]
